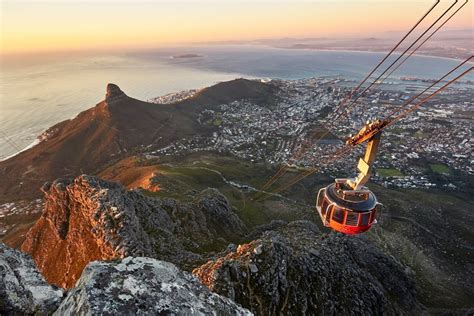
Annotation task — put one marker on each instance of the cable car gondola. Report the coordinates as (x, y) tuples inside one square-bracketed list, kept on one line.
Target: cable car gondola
[(347, 205)]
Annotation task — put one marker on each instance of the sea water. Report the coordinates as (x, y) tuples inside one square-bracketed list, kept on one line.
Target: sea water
[(36, 93)]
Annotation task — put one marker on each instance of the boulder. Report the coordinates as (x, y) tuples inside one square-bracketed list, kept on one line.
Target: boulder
[(143, 286), (23, 290)]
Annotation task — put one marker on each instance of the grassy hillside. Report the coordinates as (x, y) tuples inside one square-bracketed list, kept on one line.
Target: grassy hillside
[(182, 178)]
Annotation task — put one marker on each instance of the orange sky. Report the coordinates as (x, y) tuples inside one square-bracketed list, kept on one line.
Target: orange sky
[(61, 25)]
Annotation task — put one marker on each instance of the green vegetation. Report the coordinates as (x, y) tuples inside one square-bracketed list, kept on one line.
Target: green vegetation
[(185, 177), (440, 168), (420, 134), (397, 130), (426, 230), (389, 172)]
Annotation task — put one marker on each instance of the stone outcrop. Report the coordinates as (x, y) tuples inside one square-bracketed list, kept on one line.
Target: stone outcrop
[(113, 94), (209, 217), (288, 269), (23, 289), (143, 286), (91, 219), (295, 270)]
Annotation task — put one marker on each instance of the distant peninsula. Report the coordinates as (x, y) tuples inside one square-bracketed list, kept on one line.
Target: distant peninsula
[(187, 56)]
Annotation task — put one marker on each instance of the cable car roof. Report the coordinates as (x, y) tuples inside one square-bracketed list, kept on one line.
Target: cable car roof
[(357, 206)]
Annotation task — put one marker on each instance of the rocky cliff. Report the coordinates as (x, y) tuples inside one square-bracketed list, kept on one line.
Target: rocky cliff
[(295, 270), (23, 289), (143, 286), (89, 219), (113, 94)]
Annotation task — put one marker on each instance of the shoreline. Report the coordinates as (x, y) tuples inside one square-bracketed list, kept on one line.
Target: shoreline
[(33, 144), (363, 51)]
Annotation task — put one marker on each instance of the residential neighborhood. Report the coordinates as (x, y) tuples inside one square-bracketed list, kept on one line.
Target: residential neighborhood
[(437, 137)]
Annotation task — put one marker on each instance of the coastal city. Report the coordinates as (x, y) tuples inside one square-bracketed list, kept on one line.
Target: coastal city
[(436, 139)]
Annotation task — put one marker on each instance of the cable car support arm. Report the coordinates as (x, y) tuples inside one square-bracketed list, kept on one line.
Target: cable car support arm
[(365, 164), (371, 132)]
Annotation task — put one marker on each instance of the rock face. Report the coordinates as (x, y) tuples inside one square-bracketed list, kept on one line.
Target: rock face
[(23, 289), (91, 219), (113, 94), (294, 270), (209, 219), (143, 286)]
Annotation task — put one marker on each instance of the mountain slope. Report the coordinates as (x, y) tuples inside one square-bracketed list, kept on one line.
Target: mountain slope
[(289, 268), (113, 129)]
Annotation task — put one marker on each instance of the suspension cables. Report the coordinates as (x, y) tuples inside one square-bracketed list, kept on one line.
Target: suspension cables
[(416, 106), (304, 148), (385, 58), (390, 118), (397, 59), (338, 153), (422, 43), (398, 109)]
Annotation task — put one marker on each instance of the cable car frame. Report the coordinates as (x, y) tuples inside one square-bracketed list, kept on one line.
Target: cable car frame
[(347, 205)]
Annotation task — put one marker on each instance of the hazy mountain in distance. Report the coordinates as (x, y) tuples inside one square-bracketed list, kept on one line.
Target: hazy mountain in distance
[(452, 43)]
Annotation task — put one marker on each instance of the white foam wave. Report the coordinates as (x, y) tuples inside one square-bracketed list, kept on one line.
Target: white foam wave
[(33, 144)]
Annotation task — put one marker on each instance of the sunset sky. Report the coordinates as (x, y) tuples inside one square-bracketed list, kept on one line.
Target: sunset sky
[(61, 25)]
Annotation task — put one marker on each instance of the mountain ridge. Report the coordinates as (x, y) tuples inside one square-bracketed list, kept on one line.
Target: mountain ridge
[(113, 129)]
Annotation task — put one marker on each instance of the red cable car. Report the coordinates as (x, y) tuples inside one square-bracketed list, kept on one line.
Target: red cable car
[(347, 205), (347, 211)]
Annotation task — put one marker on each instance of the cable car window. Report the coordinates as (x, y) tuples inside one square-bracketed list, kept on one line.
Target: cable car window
[(328, 213), (364, 219), (338, 215), (373, 214), (321, 197), (324, 207), (352, 218)]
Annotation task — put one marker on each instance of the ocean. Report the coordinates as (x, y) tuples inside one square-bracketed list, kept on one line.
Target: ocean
[(38, 93)]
